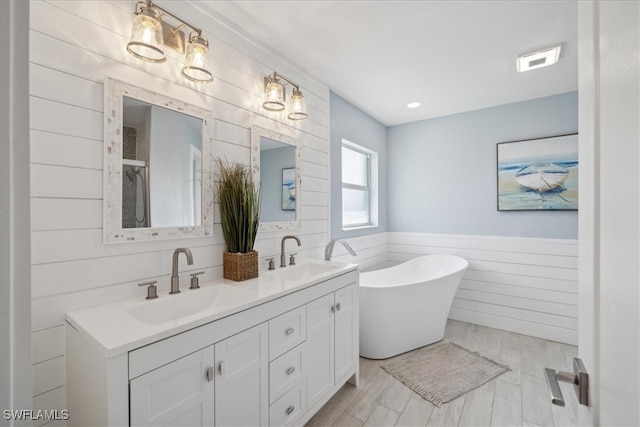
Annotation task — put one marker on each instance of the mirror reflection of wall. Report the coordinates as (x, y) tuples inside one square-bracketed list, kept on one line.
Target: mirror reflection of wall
[(162, 167), (278, 194)]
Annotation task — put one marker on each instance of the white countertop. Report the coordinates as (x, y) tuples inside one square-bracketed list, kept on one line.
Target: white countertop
[(122, 326)]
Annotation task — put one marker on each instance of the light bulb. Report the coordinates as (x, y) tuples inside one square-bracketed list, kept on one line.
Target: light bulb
[(147, 41), (273, 94), (297, 106), (196, 65)]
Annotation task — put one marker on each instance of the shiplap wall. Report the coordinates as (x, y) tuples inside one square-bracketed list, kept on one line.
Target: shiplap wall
[(73, 45), (523, 285), (371, 251), (519, 284)]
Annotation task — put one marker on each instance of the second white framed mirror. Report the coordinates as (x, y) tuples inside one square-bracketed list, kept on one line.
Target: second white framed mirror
[(275, 164)]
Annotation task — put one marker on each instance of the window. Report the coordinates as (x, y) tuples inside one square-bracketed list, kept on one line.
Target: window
[(359, 186)]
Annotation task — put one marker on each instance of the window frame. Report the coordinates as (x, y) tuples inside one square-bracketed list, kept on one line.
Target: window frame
[(371, 187)]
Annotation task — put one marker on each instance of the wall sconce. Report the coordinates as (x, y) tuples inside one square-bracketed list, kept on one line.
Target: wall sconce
[(150, 35), (275, 96)]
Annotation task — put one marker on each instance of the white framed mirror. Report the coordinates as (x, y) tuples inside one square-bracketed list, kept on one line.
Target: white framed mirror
[(275, 164), (158, 160)]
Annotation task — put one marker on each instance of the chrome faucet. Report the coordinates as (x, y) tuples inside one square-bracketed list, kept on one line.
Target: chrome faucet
[(328, 250), (283, 259), (175, 279)]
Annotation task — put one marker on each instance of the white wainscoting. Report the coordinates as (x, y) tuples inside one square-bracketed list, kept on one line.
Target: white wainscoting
[(371, 251), (523, 285), (518, 284), (73, 45)]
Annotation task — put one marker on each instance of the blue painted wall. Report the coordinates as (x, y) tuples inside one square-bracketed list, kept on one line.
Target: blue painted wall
[(442, 171), (351, 123)]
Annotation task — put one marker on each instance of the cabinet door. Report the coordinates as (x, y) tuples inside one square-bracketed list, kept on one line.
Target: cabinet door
[(179, 393), (318, 359), (242, 367), (346, 332)]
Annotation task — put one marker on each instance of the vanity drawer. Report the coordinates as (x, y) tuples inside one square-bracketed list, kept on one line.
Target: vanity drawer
[(287, 331), (285, 372), (287, 410)]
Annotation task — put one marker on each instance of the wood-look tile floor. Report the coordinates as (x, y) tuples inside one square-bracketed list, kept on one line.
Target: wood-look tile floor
[(516, 398)]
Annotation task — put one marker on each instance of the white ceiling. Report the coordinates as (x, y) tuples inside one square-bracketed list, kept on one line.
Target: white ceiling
[(452, 56)]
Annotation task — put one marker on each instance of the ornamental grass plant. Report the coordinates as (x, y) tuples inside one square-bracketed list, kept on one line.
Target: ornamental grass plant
[(239, 199)]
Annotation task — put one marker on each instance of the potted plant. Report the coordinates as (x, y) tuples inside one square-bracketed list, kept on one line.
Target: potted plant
[(239, 200)]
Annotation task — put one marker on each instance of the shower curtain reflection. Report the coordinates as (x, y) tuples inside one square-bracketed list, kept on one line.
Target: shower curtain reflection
[(135, 200)]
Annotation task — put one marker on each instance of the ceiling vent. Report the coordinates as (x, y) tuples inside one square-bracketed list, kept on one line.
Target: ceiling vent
[(538, 59)]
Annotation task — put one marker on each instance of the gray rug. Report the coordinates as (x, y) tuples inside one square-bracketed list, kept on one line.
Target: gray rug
[(444, 371)]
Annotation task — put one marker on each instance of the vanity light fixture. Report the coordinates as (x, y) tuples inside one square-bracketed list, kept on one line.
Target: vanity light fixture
[(275, 97), (150, 35), (538, 59), (196, 66), (146, 36), (273, 93), (296, 106)]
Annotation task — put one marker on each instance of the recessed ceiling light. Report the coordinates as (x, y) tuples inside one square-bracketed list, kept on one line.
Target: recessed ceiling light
[(413, 105), (538, 59)]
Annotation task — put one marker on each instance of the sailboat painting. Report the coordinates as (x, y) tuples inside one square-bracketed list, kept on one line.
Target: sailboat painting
[(538, 174)]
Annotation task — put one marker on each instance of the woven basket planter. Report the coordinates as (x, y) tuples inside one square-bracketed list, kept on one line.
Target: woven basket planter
[(239, 266)]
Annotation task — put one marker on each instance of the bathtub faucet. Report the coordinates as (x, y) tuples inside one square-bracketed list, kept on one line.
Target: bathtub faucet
[(328, 250)]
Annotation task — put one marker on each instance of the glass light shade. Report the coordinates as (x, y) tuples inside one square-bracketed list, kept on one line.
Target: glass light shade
[(273, 95), (297, 106), (196, 66), (146, 36)]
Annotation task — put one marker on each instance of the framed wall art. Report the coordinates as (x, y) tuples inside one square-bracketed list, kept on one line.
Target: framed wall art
[(538, 174)]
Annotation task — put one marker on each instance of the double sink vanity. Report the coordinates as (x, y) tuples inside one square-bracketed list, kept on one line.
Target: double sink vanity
[(267, 351)]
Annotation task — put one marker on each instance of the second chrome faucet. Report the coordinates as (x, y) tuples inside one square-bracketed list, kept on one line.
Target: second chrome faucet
[(283, 258), (175, 278)]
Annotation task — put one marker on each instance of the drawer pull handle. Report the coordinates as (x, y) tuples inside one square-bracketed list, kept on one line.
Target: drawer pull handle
[(290, 409), (338, 306), (289, 331), (291, 370), (221, 368), (210, 374)]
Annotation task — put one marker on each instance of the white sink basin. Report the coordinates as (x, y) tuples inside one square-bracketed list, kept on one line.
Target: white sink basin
[(304, 271), (188, 302)]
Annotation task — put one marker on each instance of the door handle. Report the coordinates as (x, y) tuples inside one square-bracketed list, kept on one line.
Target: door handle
[(579, 378)]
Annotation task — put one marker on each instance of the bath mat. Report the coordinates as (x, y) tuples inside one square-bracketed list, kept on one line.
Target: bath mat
[(443, 372)]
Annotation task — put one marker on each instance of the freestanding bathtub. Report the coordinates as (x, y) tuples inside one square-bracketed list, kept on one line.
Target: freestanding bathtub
[(406, 306)]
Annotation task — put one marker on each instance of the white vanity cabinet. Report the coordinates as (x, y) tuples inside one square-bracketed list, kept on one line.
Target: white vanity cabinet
[(242, 379), (177, 394), (186, 391), (331, 353), (347, 341), (320, 348), (275, 362)]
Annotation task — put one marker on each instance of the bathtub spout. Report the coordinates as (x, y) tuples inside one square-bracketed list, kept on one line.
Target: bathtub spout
[(328, 250)]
